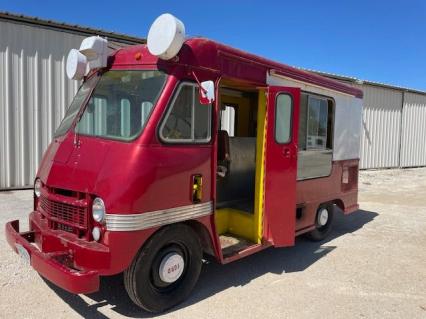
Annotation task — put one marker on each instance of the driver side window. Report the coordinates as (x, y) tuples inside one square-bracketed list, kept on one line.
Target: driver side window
[(187, 121)]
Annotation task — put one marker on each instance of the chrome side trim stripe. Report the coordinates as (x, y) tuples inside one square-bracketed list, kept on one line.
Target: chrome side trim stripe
[(130, 222)]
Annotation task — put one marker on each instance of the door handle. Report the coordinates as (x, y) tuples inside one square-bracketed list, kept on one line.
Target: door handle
[(286, 152)]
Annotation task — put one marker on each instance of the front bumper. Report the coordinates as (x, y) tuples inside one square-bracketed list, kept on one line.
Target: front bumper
[(70, 263)]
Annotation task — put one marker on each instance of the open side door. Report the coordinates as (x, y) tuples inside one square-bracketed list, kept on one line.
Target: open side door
[(281, 165)]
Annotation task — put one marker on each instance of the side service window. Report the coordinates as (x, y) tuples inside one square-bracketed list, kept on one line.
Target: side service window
[(187, 121), (316, 121)]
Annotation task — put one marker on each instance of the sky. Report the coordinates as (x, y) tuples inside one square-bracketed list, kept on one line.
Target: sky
[(380, 41)]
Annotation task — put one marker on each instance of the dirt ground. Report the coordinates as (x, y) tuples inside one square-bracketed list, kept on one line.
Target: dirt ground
[(372, 266)]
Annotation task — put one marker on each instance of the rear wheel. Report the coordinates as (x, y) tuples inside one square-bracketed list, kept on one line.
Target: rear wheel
[(165, 270), (323, 223)]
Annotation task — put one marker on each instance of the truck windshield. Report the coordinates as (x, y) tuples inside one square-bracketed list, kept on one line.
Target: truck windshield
[(75, 106), (121, 104)]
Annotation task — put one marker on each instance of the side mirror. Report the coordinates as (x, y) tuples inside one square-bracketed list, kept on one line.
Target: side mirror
[(206, 92)]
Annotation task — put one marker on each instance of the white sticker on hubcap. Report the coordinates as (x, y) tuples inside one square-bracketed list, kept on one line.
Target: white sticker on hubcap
[(323, 217), (171, 267)]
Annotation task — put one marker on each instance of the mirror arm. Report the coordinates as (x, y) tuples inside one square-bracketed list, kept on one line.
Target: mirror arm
[(199, 83)]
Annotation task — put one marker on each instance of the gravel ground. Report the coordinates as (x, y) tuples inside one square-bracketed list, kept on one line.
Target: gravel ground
[(372, 266)]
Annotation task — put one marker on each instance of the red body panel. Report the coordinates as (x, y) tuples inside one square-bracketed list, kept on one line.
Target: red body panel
[(146, 175), (313, 192), (280, 173)]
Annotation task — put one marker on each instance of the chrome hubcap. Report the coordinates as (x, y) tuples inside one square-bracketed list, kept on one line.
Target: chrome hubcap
[(323, 217), (171, 267)]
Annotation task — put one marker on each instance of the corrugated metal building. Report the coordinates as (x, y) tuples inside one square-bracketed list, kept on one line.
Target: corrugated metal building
[(34, 89), (381, 127), (34, 93), (413, 133)]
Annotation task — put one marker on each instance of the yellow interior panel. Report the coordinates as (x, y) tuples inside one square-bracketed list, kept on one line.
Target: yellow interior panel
[(260, 168), (243, 112), (233, 221), (221, 220)]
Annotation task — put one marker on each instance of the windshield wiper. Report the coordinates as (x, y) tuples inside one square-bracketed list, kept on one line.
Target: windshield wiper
[(76, 135)]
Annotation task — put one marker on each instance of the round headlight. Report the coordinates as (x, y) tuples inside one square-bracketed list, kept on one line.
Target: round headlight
[(37, 187), (98, 210)]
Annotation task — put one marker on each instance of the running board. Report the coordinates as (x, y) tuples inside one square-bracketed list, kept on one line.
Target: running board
[(245, 252)]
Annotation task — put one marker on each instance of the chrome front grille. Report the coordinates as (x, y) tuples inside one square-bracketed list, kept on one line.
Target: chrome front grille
[(63, 213)]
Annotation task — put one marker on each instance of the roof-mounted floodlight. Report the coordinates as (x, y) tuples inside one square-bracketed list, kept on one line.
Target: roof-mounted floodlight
[(166, 36), (93, 54), (96, 50), (76, 65)]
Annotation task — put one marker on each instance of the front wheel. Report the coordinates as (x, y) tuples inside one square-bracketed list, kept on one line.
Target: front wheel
[(165, 270), (323, 223)]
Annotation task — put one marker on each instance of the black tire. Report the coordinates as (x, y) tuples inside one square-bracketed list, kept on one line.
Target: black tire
[(142, 280), (322, 231)]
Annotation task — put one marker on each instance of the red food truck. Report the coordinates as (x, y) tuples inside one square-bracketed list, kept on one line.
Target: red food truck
[(182, 149)]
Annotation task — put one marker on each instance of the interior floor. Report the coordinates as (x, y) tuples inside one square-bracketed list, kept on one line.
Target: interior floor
[(232, 244)]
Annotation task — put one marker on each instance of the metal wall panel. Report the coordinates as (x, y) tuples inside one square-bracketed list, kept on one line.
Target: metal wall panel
[(381, 127), (413, 140), (34, 93)]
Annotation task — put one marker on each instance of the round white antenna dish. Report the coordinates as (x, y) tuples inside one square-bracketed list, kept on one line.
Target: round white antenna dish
[(76, 65), (166, 36)]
